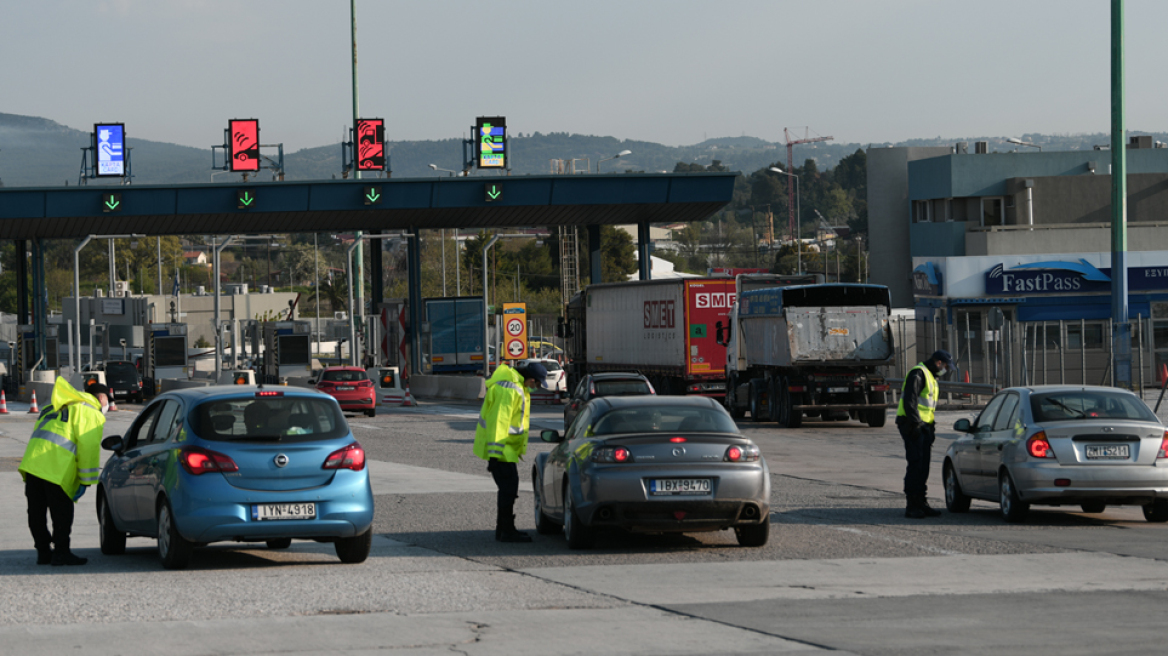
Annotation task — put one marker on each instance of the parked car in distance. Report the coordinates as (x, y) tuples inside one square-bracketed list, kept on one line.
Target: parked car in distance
[(236, 463), (653, 464), (609, 383), (1060, 446), (557, 378), (351, 387), (122, 378)]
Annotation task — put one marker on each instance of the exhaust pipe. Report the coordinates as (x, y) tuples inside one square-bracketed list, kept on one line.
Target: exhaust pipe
[(604, 514), (750, 511)]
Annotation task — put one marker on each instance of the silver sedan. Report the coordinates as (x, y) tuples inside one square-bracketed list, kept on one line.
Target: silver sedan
[(1060, 446), (653, 464)]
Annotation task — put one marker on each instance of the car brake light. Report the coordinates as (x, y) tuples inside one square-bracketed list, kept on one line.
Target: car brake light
[(268, 393), (1163, 447), (1038, 446), (620, 454), (350, 457), (743, 453), (365, 383), (676, 440), (734, 454), (197, 460), (612, 454)]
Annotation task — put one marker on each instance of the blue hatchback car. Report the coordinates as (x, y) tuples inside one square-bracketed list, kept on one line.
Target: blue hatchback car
[(232, 463)]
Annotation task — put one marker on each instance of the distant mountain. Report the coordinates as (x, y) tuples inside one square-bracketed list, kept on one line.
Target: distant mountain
[(38, 152)]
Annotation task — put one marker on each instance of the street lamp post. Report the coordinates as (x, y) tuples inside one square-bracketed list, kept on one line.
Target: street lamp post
[(798, 218), (435, 167), (76, 337), (616, 156), (1019, 142), (486, 332), (217, 249)]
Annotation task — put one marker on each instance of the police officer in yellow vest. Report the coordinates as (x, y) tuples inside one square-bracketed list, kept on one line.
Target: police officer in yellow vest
[(62, 458), (915, 419), (501, 437)]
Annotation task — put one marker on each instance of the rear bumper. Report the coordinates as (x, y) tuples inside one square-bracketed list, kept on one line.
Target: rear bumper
[(1138, 484)]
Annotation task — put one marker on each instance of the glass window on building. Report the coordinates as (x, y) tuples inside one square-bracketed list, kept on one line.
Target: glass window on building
[(991, 211)]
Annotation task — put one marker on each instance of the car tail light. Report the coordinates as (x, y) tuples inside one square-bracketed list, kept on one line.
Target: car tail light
[(617, 454), (677, 440), (1163, 447), (1038, 446), (350, 457), (197, 460), (742, 453), (695, 388), (797, 388), (365, 383)]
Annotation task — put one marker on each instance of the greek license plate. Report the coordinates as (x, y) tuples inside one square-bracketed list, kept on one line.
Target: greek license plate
[(1108, 452), (344, 388), (679, 486), (265, 511), (837, 390)]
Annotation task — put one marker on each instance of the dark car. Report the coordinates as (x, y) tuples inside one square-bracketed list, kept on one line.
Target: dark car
[(653, 464), (614, 383), (122, 377)]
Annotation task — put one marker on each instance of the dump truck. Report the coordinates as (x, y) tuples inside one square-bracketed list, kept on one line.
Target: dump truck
[(808, 351)]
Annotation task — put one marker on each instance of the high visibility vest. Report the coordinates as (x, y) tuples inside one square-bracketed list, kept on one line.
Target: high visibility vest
[(927, 401), (65, 446), (505, 417)]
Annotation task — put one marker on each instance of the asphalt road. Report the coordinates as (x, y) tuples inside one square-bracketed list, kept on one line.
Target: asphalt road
[(844, 571)]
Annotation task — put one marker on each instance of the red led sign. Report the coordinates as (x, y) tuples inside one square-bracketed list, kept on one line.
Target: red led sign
[(370, 135), (244, 135)]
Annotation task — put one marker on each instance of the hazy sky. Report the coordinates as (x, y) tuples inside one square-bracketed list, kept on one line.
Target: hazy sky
[(670, 71)]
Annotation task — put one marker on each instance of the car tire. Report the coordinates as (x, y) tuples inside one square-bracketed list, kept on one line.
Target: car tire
[(1014, 510), (113, 541), (956, 501), (1157, 511), (576, 532), (1093, 507), (355, 549), (371, 413), (279, 543), (544, 525), (753, 535), (173, 550)]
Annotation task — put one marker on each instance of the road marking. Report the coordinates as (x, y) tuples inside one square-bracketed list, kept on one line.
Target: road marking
[(874, 536)]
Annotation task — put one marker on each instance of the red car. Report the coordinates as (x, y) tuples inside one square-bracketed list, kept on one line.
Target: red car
[(351, 387)]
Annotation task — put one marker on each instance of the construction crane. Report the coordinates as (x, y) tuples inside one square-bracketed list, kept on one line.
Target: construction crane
[(807, 138)]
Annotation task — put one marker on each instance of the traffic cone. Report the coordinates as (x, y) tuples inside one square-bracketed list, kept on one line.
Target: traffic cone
[(3, 404), (113, 406), (967, 375), (33, 409), (408, 399), (1163, 374)]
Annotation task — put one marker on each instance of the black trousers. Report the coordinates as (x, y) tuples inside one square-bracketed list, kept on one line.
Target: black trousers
[(506, 475), (918, 445), (43, 497)]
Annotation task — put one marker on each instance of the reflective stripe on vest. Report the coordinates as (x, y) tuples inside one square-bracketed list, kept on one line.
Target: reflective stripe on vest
[(59, 440), (926, 401)]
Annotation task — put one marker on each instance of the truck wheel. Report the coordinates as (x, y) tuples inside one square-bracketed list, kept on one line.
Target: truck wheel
[(788, 417), (731, 401), (756, 402), (875, 418)]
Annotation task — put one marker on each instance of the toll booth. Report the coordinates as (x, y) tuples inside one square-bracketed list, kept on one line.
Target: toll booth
[(287, 350), (165, 355), (27, 354)]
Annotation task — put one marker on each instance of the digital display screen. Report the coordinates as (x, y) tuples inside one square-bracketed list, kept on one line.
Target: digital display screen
[(370, 136), (294, 349), (109, 146), (245, 144), (170, 351), (491, 140)]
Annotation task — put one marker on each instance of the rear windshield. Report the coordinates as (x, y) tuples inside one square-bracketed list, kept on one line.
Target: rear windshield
[(344, 376), (1088, 404), (551, 365), (621, 387), (664, 419), (286, 419), (121, 369)]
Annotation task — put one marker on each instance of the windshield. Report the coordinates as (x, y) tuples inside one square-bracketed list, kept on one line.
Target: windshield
[(664, 419), (344, 376), (621, 387), (287, 419), (1088, 404), (120, 369), (551, 365)]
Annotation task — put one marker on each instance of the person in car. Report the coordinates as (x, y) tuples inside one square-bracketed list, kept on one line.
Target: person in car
[(916, 422), (62, 458), (501, 437)]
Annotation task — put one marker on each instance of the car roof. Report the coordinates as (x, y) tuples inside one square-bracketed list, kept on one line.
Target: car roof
[(1043, 389), (602, 375), (619, 402), (343, 367), (211, 392)]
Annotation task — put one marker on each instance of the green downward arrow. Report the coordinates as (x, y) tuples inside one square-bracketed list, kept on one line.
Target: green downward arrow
[(373, 196), (247, 198), (113, 202), (494, 192)]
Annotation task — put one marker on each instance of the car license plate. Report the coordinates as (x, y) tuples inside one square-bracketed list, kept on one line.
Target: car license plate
[(679, 486), (1108, 452), (837, 390), (265, 511), (344, 388)]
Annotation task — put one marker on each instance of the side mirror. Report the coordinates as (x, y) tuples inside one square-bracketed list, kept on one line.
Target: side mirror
[(718, 338), (551, 436), (963, 426), (113, 443)]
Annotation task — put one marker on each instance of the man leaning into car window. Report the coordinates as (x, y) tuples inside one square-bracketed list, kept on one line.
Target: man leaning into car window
[(62, 458), (916, 421), (501, 437)]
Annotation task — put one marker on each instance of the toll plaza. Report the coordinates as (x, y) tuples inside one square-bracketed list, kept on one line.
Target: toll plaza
[(384, 207)]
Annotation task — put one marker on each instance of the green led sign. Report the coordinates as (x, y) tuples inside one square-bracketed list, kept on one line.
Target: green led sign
[(494, 191), (111, 202), (245, 199), (373, 195)]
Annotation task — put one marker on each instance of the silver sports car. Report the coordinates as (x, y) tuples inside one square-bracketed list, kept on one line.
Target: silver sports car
[(653, 464), (1060, 446)]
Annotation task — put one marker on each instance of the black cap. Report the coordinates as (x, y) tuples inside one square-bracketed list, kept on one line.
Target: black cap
[(535, 371), (943, 356), (97, 388)]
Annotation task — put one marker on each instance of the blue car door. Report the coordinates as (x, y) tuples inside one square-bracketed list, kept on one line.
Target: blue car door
[(156, 458), (129, 472)]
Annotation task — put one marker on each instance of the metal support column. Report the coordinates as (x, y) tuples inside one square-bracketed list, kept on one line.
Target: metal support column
[(376, 275), (40, 302), (644, 251), (594, 254), (414, 263), (1121, 344), (21, 281)]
